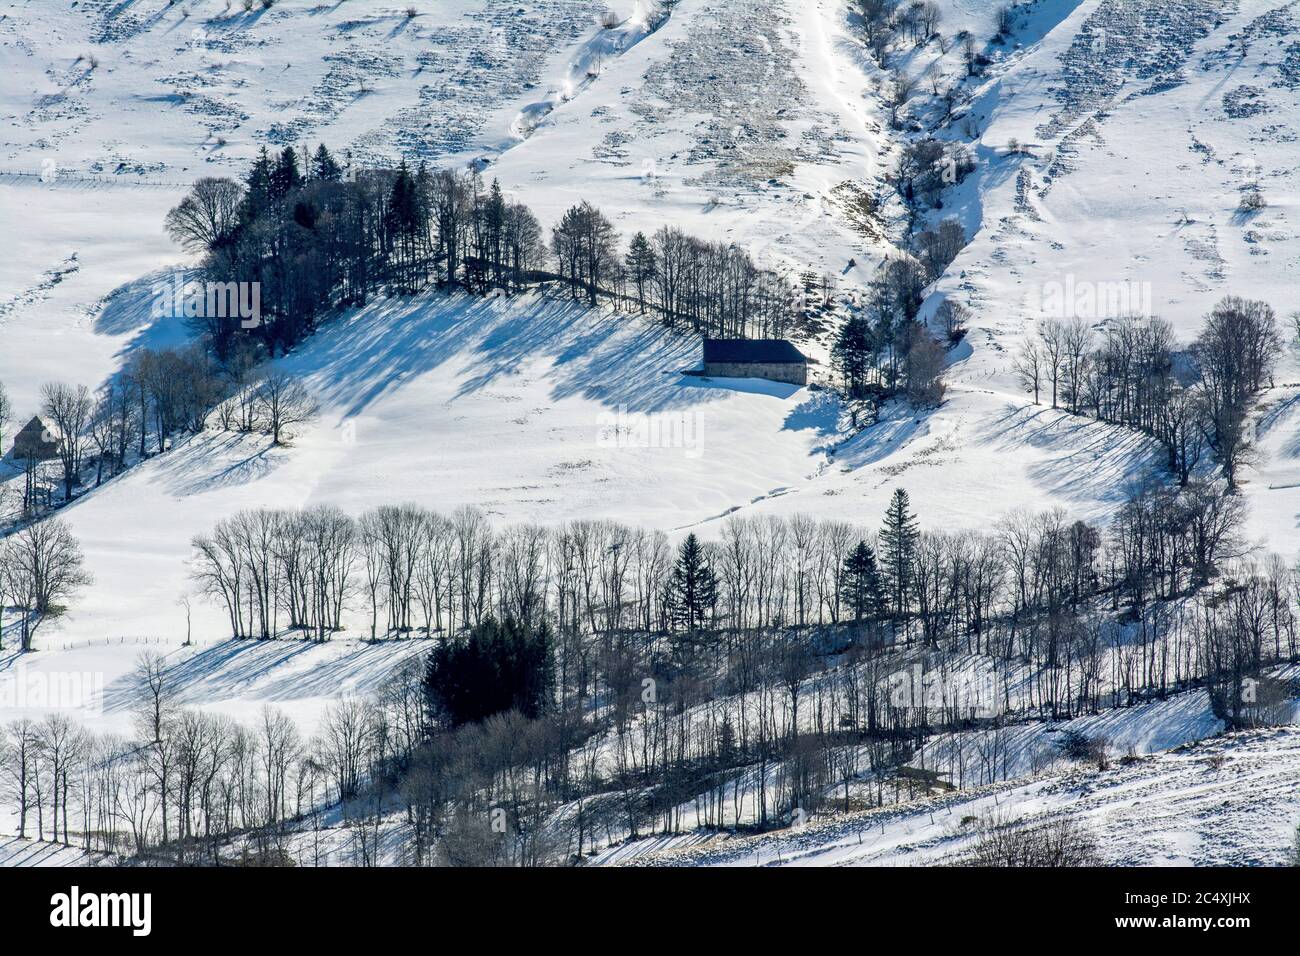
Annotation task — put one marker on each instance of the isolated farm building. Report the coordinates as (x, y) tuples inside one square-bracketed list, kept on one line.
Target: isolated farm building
[(36, 442), (775, 359)]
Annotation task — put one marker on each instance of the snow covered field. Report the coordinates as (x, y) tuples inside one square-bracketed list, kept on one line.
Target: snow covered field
[(1231, 801), (1139, 124)]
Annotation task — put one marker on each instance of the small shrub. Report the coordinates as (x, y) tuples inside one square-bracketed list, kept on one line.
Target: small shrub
[(952, 317), (261, 858), (1076, 745), (1003, 20), (1058, 843), (1252, 200)]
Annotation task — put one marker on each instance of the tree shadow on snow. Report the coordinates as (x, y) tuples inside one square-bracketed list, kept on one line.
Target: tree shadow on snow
[(616, 360), (271, 671), (216, 460), (1085, 461)]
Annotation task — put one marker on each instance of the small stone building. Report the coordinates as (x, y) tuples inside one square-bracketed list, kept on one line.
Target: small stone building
[(774, 359), (36, 442)]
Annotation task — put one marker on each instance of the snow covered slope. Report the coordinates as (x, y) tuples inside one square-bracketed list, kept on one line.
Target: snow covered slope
[(740, 120), (1230, 801), (541, 411), (532, 411), (1141, 123), (29, 853), (170, 91), (94, 681), (759, 123)]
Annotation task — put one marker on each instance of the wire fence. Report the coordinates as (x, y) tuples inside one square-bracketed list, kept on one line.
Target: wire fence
[(61, 177), (114, 641)]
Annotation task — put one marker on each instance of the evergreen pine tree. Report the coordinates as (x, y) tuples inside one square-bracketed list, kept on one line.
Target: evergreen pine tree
[(257, 197), (861, 586), (727, 749), (494, 219), (324, 166), (693, 587), (285, 176), (403, 221), (496, 667), (898, 551), (851, 353), (642, 265)]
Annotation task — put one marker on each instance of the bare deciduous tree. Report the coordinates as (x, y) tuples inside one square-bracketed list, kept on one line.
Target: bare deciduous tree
[(205, 216), (46, 567), (68, 409), (1028, 366), (284, 402)]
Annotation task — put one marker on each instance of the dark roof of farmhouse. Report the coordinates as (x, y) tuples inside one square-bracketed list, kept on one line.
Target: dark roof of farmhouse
[(752, 351)]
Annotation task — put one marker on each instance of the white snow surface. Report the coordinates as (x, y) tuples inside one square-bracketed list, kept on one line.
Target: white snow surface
[(736, 119), (1230, 801)]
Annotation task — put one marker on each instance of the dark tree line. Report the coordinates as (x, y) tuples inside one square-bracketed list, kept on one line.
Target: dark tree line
[(315, 237), (495, 668)]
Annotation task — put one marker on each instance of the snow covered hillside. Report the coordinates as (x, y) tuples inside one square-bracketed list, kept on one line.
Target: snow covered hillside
[(1225, 802), (1139, 124), (532, 413), (408, 382), (1127, 157)]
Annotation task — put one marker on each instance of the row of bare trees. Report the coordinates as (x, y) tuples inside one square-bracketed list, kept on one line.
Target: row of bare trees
[(1134, 374), (158, 395), (409, 569), (186, 778), (711, 287)]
